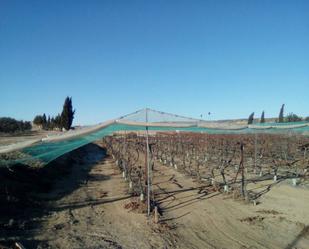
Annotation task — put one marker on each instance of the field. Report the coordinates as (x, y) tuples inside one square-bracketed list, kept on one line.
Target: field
[(207, 191)]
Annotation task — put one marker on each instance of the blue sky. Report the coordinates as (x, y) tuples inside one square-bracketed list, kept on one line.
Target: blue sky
[(229, 58)]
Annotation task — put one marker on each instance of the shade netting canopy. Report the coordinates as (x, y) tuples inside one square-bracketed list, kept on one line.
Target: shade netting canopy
[(42, 151)]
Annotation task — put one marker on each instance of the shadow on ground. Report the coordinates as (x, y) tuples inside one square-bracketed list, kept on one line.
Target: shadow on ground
[(25, 192), (303, 233)]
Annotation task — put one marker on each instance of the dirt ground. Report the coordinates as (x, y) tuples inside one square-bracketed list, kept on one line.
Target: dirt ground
[(207, 219), (7, 139), (93, 216), (86, 209)]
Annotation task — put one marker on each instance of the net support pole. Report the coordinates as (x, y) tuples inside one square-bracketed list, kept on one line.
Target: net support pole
[(148, 167), (255, 152)]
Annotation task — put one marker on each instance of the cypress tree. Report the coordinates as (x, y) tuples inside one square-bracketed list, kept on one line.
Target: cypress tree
[(52, 123), (262, 118), (44, 121), (67, 114), (48, 123), (281, 117), (250, 119), (38, 120), (58, 121)]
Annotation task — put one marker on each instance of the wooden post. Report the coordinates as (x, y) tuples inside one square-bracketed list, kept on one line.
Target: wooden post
[(156, 215)]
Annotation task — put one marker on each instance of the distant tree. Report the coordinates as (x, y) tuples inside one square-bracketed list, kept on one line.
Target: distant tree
[(10, 125), (52, 123), (38, 120), (67, 114), (307, 119), (56, 122), (251, 117), (63, 120), (262, 117), (291, 117), (281, 114), (26, 126), (44, 121), (48, 123)]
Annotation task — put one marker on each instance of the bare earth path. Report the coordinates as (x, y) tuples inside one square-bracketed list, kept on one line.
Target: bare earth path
[(211, 220), (93, 216)]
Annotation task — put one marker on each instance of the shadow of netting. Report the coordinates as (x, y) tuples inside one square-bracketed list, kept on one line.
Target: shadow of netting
[(22, 187), (303, 233)]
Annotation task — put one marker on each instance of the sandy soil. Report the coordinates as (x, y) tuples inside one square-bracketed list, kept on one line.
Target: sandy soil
[(94, 216), (207, 219), (7, 139), (86, 209)]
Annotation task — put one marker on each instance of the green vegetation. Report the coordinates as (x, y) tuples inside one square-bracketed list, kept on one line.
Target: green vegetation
[(67, 114), (48, 124), (64, 120), (281, 114), (11, 125), (262, 117), (291, 117), (251, 118)]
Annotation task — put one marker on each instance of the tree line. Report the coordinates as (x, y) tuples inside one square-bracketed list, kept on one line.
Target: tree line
[(60, 121), (291, 117), (11, 125)]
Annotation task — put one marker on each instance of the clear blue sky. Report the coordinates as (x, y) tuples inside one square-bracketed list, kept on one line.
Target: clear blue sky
[(229, 58)]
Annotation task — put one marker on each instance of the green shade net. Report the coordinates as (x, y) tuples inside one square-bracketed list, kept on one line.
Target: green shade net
[(42, 153), (283, 124)]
